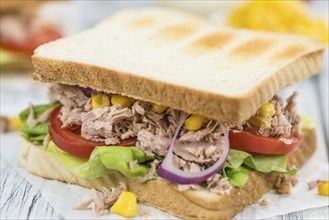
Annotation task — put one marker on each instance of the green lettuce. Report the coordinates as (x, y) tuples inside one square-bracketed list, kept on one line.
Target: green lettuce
[(306, 122), (236, 176), (236, 169), (38, 132), (103, 160)]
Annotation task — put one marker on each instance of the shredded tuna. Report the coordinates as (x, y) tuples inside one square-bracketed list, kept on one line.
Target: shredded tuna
[(185, 187), (137, 108), (110, 196), (67, 95), (173, 119), (84, 205), (265, 202), (199, 152), (102, 124), (132, 164), (291, 113), (152, 144), (200, 134), (70, 116), (216, 184), (285, 183), (46, 141), (284, 123), (152, 174), (4, 124), (98, 205), (312, 184), (195, 151), (32, 121), (219, 184), (286, 141), (101, 203)]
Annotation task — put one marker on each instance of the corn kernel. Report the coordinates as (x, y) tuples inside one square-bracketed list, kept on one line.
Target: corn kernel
[(126, 205), (123, 101), (260, 122), (99, 100), (323, 188), (267, 110), (194, 122), (15, 123), (159, 108)]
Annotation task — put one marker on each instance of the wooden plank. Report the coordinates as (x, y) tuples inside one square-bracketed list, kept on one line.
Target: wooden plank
[(21, 200)]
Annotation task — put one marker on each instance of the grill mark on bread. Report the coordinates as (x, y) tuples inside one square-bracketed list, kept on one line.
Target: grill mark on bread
[(177, 31), (212, 41), (143, 22), (253, 48), (289, 52)]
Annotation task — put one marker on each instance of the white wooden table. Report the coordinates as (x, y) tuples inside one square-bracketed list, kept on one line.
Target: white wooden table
[(21, 200)]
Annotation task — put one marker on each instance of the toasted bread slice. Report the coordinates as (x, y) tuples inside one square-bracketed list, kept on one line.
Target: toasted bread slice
[(164, 195), (19, 5), (181, 61)]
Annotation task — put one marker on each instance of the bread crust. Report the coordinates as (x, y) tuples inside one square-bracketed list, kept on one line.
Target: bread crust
[(164, 195), (184, 62), (30, 6)]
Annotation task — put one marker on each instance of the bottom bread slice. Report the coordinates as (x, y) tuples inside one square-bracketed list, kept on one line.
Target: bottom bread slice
[(164, 195)]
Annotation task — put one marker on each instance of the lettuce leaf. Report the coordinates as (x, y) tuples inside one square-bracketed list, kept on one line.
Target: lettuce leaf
[(38, 132), (236, 168), (306, 122), (103, 160), (237, 177)]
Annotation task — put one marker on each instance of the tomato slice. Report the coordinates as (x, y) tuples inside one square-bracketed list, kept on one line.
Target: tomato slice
[(246, 141), (38, 38), (72, 142)]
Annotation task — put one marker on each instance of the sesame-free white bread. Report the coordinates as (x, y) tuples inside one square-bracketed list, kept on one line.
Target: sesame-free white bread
[(181, 61), (164, 195)]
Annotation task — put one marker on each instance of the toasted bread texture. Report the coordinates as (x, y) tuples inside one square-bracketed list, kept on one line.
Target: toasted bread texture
[(164, 195), (20, 5), (181, 61)]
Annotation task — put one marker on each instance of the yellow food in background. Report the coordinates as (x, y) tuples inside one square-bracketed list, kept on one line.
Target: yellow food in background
[(126, 205), (15, 123), (323, 188), (279, 16), (99, 100)]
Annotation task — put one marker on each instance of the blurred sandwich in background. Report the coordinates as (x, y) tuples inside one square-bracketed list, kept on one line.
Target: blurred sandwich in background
[(22, 29)]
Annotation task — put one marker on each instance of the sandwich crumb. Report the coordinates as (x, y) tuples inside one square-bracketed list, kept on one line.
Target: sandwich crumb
[(100, 204), (133, 164), (4, 124), (264, 202), (144, 214), (83, 205), (285, 183), (312, 184)]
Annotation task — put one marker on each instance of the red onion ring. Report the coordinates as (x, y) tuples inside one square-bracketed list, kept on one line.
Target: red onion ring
[(169, 171)]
